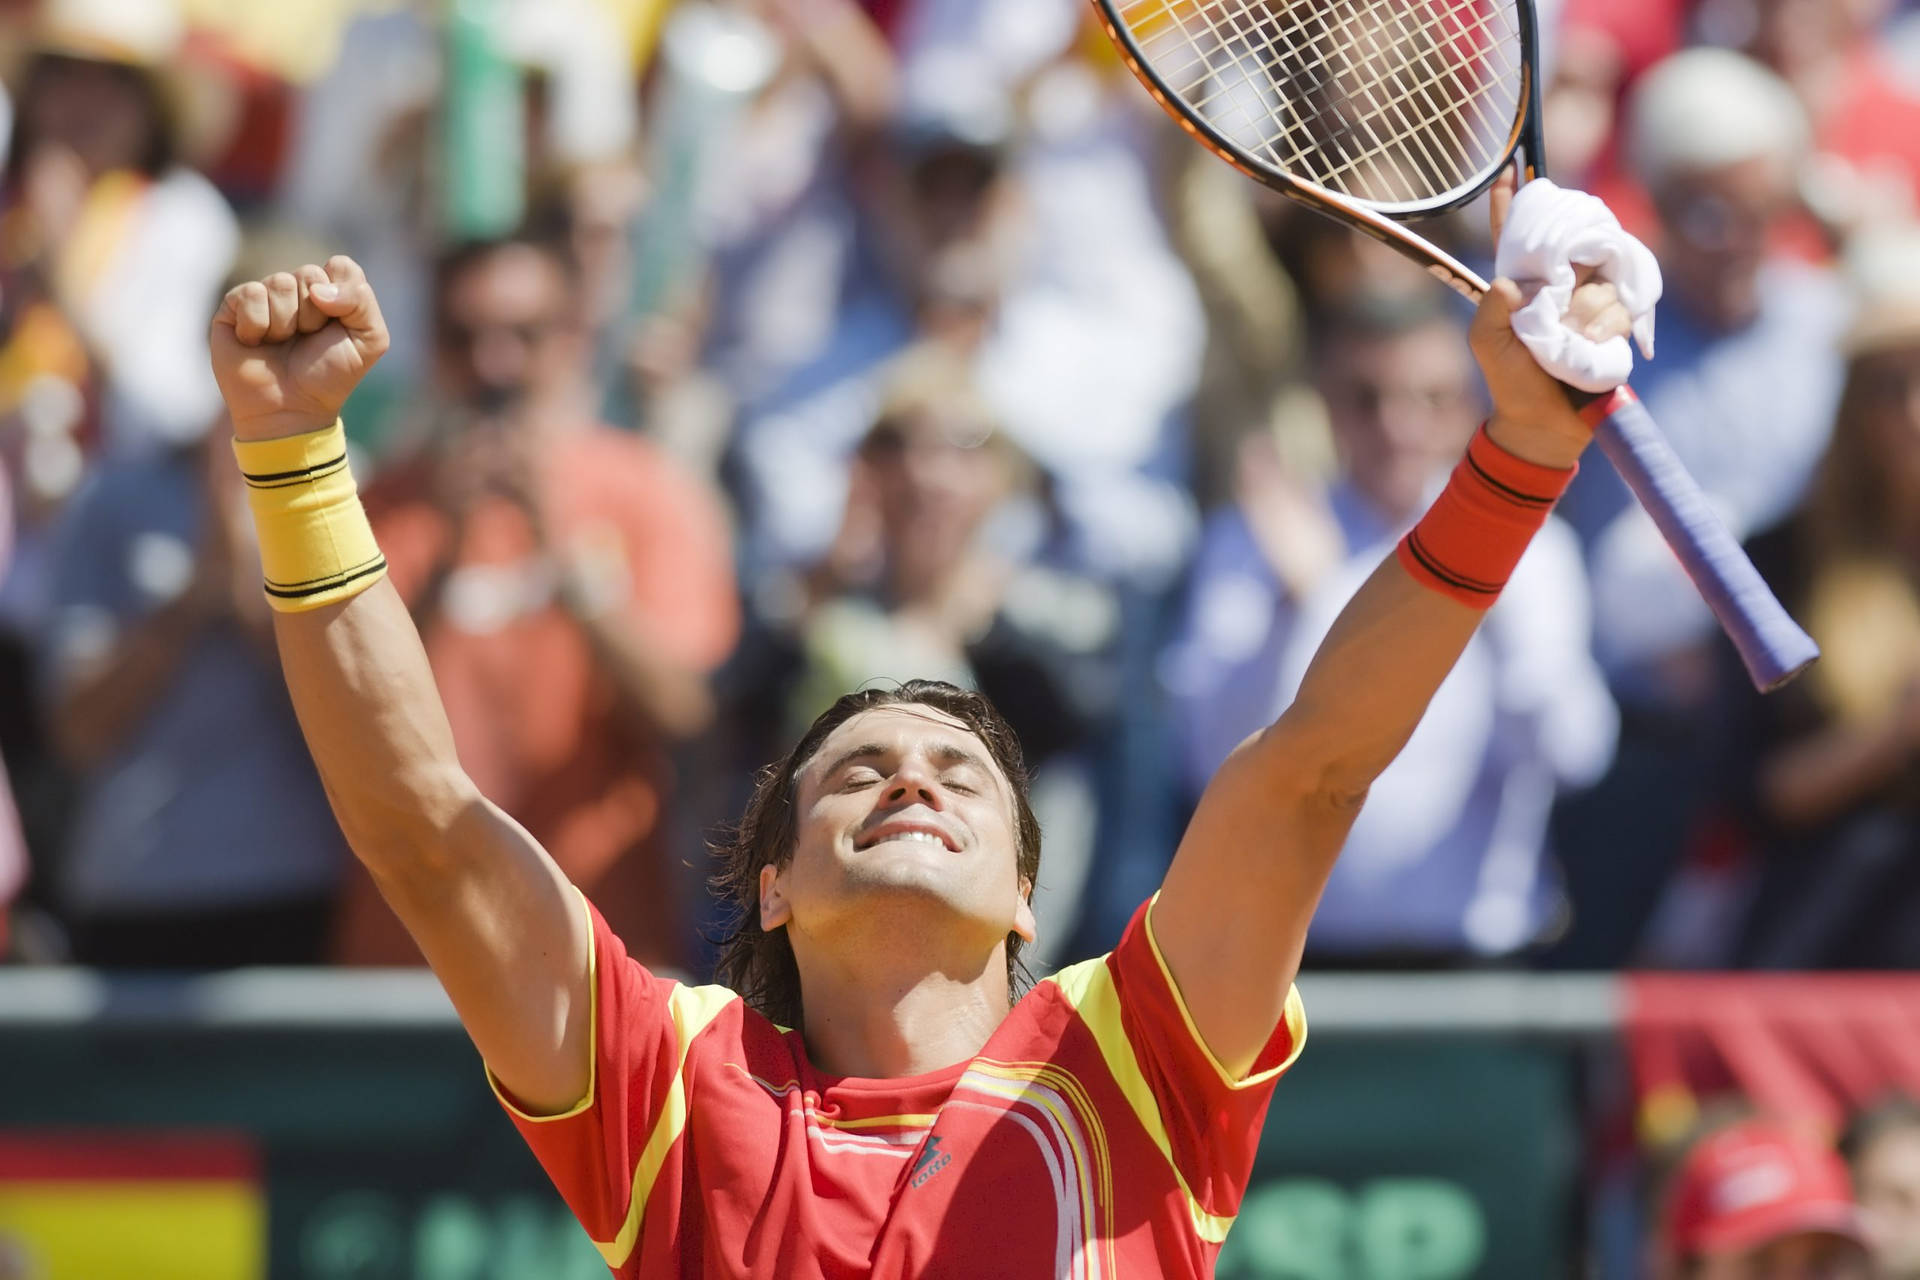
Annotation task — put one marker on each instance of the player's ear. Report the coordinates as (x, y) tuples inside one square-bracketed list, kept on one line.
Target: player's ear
[(774, 909), (1023, 922)]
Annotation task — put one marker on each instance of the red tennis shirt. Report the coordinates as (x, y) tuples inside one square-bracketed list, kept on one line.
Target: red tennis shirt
[(1093, 1136)]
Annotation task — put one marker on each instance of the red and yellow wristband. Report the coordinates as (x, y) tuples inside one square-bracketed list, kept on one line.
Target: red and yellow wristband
[(1468, 543), (316, 546)]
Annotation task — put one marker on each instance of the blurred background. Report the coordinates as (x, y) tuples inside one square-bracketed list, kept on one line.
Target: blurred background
[(747, 352)]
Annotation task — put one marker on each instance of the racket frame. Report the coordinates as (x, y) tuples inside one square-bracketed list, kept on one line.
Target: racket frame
[(1772, 647), (1376, 218)]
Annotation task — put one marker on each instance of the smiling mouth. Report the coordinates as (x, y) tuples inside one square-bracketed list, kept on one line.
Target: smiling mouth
[(916, 836)]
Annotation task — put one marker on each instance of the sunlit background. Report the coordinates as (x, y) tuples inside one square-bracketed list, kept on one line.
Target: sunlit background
[(747, 352)]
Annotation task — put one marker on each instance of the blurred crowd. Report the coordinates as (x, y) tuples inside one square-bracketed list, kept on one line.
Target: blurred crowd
[(751, 350), (1755, 1196)]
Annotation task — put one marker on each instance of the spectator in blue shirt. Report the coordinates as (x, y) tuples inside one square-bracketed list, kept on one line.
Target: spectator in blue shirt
[(202, 837), (1448, 861)]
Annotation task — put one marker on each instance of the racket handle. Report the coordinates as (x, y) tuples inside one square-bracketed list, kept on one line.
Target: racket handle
[(1771, 644)]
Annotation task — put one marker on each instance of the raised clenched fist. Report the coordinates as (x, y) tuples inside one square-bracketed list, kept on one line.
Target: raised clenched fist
[(289, 349)]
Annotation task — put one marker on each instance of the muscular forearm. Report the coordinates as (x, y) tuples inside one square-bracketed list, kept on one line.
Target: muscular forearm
[(1372, 679), (1273, 821), (375, 725), (1383, 660), (492, 913), (1232, 917), (1292, 792)]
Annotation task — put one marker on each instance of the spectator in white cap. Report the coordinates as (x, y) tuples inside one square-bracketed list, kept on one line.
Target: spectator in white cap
[(1855, 83), (1746, 377), (1744, 384)]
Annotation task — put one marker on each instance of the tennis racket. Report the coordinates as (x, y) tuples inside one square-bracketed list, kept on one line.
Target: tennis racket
[(1369, 111)]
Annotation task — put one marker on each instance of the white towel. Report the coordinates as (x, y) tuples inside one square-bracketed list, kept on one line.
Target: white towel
[(1549, 233)]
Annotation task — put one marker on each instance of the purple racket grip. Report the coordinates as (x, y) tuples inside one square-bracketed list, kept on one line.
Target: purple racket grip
[(1771, 643)]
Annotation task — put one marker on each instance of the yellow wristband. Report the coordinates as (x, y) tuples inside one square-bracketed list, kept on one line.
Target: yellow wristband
[(316, 546)]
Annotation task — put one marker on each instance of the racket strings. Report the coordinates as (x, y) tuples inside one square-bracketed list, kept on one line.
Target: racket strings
[(1404, 114), (1390, 101), (1384, 131), (1373, 120), (1426, 119), (1407, 116), (1299, 142)]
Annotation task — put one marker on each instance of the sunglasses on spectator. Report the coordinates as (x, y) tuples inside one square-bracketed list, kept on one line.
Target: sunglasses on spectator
[(532, 333)]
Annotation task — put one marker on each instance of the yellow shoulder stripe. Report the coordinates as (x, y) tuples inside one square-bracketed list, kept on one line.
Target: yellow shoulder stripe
[(692, 1009), (1089, 988), (914, 1121)]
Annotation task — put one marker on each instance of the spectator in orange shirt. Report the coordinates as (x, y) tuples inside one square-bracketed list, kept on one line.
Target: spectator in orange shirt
[(573, 589)]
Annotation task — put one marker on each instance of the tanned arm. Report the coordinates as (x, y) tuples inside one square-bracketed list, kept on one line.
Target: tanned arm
[(494, 916), (1232, 916)]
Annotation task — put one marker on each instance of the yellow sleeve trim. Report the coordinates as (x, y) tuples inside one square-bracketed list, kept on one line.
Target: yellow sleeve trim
[(1089, 988), (1293, 1012), (593, 1036), (692, 1009)]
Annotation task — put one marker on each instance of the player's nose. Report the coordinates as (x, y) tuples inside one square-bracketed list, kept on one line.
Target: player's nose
[(914, 781)]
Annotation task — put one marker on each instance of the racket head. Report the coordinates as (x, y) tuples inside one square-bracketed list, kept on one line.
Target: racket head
[(1401, 109)]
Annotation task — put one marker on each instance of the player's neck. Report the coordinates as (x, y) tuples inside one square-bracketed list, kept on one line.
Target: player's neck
[(865, 1017)]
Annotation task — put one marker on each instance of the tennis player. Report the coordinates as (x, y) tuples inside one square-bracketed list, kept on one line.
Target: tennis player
[(874, 1096)]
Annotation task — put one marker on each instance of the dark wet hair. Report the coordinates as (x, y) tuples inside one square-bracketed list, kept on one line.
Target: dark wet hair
[(759, 964)]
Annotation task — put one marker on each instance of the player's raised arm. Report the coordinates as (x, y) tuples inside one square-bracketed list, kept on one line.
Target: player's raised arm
[(494, 916), (1232, 917)]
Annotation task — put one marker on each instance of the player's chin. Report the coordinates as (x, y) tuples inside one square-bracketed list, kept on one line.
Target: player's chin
[(927, 865), (926, 871)]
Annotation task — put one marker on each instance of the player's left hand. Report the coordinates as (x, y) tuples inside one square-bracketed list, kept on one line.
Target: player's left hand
[(1532, 415)]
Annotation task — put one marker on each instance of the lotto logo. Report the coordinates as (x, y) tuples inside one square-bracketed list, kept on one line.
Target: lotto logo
[(932, 1160)]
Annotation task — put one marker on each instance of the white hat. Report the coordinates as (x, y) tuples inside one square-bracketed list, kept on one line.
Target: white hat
[(1707, 108), (143, 33)]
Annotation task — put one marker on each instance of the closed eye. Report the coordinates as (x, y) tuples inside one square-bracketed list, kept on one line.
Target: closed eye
[(858, 778)]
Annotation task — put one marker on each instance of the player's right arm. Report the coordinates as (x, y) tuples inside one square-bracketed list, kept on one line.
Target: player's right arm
[(497, 920)]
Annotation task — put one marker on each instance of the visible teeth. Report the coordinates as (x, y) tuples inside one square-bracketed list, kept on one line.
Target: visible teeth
[(925, 837)]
